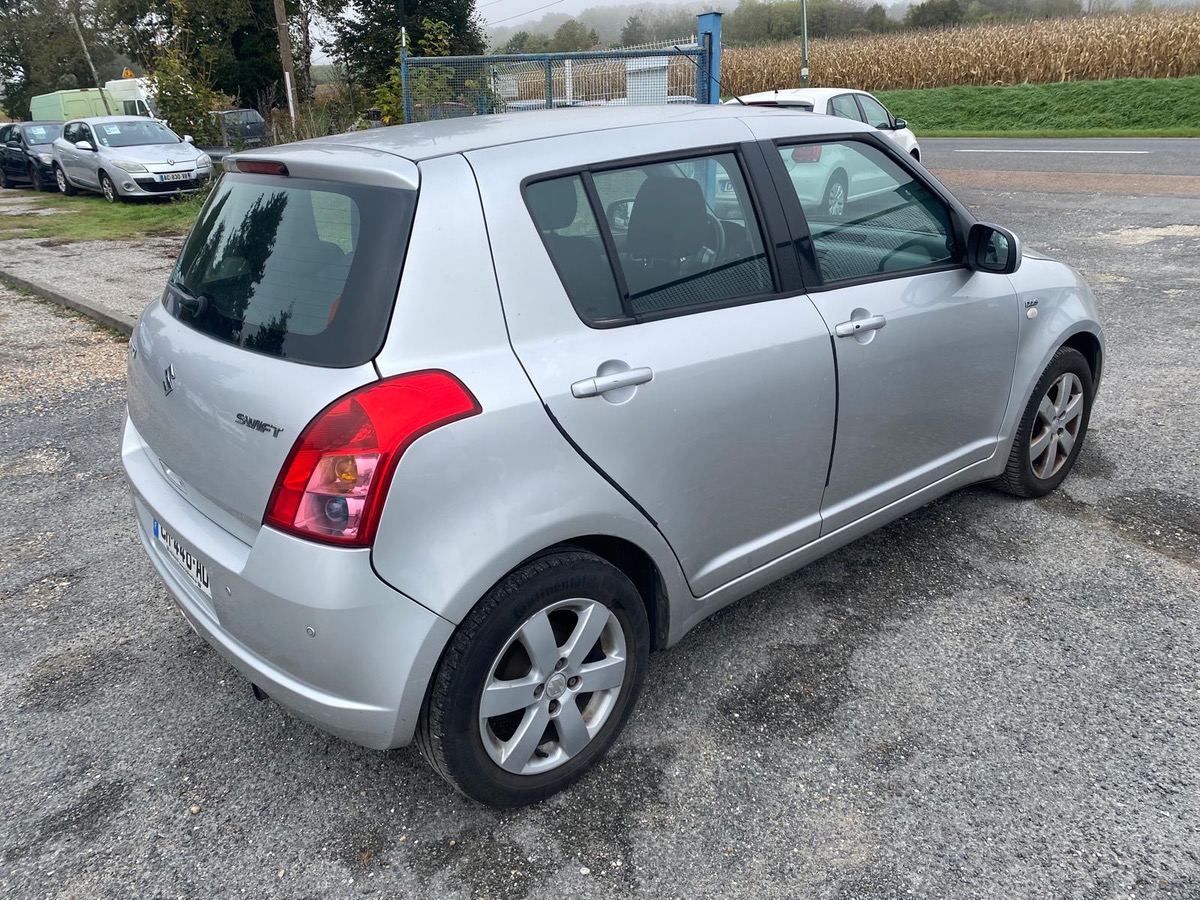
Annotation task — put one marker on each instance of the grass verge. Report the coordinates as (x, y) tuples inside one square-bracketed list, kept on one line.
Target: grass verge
[(89, 217), (1123, 107)]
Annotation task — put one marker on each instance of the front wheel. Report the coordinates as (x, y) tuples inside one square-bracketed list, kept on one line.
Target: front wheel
[(60, 178), (538, 681), (35, 178), (108, 188), (1051, 431)]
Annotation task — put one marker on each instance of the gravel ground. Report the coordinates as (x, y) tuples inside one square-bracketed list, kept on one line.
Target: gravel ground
[(117, 276), (989, 698)]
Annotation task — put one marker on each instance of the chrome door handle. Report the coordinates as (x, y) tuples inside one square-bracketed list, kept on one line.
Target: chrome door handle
[(858, 326), (602, 384)]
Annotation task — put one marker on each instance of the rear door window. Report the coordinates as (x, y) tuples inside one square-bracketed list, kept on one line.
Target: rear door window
[(683, 231), (296, 268), (843, 105)]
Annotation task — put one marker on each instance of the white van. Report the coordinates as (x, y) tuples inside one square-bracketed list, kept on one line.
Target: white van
[(134, 96)]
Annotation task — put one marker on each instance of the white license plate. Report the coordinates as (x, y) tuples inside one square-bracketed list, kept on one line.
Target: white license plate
[(194, 568), (176, 176)]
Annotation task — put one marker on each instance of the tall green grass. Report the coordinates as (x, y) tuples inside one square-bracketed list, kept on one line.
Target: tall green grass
[(1142, 107)]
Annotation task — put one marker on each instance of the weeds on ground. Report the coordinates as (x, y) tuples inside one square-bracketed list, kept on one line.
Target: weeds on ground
[(89, 217)]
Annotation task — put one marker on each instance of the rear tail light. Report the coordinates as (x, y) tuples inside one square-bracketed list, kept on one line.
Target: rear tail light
[(807, 153), (334, 482)]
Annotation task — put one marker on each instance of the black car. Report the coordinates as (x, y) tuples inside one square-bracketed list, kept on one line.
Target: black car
[(25, 154), (241, 127)]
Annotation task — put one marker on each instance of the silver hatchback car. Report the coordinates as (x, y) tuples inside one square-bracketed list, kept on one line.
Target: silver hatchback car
[(437, 431)]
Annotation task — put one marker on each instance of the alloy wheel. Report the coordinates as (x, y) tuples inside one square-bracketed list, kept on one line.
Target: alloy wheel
[(553, 686), (1056, 425)]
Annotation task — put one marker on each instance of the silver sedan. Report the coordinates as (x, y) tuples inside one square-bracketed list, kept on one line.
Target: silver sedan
[(127, 156)]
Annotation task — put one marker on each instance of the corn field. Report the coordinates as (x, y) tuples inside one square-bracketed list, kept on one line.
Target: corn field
[(1161, 45)]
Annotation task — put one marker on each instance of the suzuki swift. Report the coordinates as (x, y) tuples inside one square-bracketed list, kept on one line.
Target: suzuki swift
[(437, 431)]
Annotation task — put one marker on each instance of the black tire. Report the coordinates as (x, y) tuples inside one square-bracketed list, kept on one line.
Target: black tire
[(35, 178), (60, 178), (108, 189), (5, 181), (450, 732), (1022, 476), (833, 204)]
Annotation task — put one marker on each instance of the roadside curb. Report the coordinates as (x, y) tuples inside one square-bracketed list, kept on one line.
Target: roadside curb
[(96, 311)]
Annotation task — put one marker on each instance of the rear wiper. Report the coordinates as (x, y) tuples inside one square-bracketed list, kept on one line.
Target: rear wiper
[(195, 304)]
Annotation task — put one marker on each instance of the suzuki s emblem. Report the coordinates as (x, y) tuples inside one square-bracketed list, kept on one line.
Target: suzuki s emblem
[(169, 379)]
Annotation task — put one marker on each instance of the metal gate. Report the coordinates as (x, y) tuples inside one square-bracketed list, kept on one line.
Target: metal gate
[(442, 87)]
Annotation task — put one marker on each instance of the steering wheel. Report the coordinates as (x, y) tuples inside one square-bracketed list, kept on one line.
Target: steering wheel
[(718, 233), (911, 242)]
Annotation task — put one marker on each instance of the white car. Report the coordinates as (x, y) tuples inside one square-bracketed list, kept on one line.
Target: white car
[(849, 104)]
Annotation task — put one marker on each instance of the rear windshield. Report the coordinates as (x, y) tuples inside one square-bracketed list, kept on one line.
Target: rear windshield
[(296, 268)]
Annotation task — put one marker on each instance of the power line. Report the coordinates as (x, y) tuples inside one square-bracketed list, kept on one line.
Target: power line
[(527, 12)]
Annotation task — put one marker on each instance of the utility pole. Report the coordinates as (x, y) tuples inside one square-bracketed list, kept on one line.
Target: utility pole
[(91, 65), (804, 45), (285, 56)]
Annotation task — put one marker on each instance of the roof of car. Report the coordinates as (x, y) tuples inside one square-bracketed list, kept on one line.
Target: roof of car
[(783, 95), (426, 140), (111, 120)]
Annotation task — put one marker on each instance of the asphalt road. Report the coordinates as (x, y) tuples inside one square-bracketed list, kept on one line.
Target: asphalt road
[(990, 698), (1143, 156)]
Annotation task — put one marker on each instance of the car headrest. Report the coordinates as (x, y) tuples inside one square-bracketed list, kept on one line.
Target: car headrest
[(554, 203), (669, 219)]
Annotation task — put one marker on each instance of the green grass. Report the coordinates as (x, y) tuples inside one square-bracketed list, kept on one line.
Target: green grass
[(1126, 107), (89, 217)]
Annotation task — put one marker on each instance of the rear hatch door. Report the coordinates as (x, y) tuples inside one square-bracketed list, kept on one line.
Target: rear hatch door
[(277, 306)]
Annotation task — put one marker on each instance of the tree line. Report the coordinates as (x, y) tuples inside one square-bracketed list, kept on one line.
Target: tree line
[(753, 22), (229, 48)]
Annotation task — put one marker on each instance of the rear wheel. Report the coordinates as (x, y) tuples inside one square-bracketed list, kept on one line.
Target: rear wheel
[(60, 178), (834, 203), (1052, 429), (108, 188), (5, 181), (538, 681)]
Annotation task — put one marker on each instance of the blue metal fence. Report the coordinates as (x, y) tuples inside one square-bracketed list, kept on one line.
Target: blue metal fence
[(672, 72)]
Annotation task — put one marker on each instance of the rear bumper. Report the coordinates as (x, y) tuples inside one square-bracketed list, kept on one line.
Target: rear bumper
[(313, 626)]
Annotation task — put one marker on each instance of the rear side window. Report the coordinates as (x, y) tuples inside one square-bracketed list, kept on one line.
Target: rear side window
[(296, 268), (569, 229), (684, 234)]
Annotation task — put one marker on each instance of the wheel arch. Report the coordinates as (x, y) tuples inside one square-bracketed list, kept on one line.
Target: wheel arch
[(635, 564), (1089, 346)]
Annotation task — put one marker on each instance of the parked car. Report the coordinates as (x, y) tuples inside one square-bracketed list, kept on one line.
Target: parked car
[(127, 156), (59, 106), (437, 431), (849, 104), (241, 127), (25, 154)]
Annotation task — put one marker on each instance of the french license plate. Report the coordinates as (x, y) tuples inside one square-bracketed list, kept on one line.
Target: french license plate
[(176, 176), (194, 568)]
